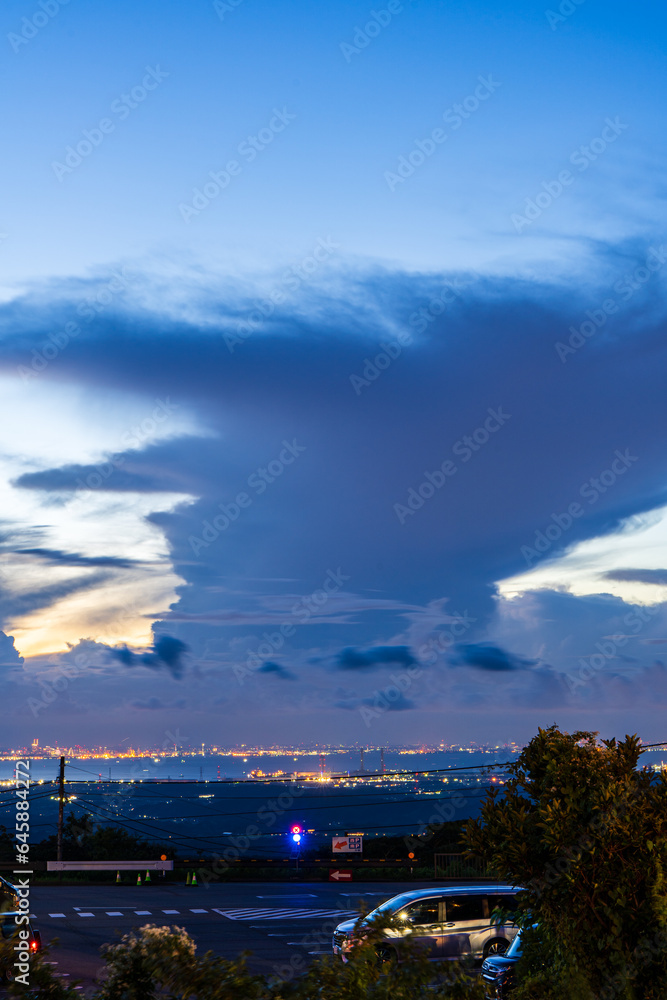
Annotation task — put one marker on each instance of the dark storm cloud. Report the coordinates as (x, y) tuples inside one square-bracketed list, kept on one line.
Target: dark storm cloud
[(486, 656), (71, 478), (59, 558), (379, 442), (403, 424), (269, 667), (654, 576), (167, 652), (370, 659), (170, 651), (14, 605), (398, 704)]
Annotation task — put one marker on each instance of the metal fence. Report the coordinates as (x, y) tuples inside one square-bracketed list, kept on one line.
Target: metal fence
[(451, 866)]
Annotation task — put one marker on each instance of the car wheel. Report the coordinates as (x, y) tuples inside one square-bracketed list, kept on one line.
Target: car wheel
[(386, 955), (496, 947)]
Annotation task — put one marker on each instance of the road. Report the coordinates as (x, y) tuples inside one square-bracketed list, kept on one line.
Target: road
[(280, 923)]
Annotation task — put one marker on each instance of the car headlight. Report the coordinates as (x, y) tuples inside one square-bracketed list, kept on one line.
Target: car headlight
[(494, 972)]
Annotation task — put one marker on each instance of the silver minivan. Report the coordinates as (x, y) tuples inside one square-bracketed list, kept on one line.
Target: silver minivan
[(448, 923)]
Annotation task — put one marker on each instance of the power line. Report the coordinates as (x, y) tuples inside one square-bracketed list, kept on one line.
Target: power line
[(451, 793), (85, 770), (116, 817), (287, 780), (187, 843)]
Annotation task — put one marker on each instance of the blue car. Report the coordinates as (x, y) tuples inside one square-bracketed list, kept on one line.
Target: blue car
[(9, 900), (499, 971), (11, 926)]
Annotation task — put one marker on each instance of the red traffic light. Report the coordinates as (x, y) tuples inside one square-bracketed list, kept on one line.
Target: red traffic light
[(296, 831)]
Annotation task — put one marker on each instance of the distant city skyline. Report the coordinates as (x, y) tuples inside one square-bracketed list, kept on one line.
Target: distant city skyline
[(242, 749)]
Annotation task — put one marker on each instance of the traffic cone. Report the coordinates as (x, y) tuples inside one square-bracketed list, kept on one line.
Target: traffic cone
[(194, 878), (138, 879), (148, 878), (187, 881), (118, 878)]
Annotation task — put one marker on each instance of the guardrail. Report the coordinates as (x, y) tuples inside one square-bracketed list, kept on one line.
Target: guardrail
[(109, 866), (453, 866), (446, 867)]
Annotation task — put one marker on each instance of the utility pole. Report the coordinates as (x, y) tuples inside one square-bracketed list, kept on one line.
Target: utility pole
[(61, 807)]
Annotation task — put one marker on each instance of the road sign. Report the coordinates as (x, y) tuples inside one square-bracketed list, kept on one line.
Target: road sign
[(340, 874), (347, 845)]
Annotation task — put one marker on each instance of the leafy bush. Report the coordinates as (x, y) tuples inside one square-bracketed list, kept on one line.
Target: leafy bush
[(42, 981), (161, 962)]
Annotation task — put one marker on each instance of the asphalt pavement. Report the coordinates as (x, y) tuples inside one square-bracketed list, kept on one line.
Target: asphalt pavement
[(284, 925)]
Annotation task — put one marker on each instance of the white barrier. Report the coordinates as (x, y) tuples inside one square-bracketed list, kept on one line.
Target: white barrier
[(109, 866)]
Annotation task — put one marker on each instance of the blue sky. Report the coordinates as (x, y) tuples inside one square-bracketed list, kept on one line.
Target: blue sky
[(353, 120), (217, 509)]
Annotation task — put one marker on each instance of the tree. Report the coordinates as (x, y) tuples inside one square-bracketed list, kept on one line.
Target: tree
[(584, 832), (7, 845), (84, 840)]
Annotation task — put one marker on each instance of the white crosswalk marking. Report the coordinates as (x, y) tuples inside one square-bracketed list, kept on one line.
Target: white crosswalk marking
[(274, 913), (291, 895), (235, 913)]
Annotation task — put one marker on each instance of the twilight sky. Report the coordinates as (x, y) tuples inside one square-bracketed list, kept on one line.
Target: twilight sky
[(332, 368)]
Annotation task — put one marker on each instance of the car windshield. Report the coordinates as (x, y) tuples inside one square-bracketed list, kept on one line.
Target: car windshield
[(515, 950), (394, 904)]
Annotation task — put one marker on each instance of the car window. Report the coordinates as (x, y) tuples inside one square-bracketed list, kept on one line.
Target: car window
[(464, 908), (505, 902), (425, 911), (7, 892), (8, 926)]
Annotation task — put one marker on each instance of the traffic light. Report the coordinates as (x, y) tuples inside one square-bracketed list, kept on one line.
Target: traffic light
[(296, 833)]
